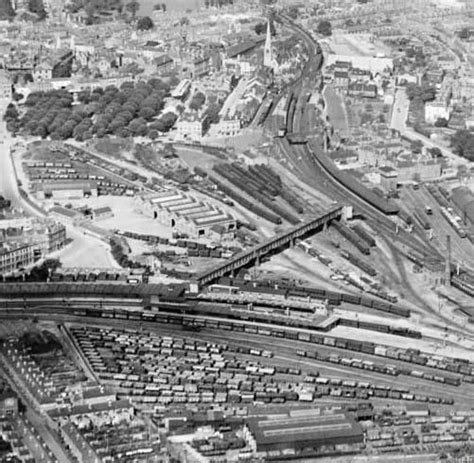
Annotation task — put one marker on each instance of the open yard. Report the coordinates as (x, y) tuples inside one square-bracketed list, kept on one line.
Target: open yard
[(336, 111)]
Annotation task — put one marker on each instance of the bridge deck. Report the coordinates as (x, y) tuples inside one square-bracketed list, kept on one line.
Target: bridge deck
[(262, 249)]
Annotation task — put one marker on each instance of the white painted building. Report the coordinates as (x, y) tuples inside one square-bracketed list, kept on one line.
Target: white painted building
[(435, 110)]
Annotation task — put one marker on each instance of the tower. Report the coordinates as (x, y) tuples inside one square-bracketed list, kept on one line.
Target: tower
[(447, 277), (268, 51)]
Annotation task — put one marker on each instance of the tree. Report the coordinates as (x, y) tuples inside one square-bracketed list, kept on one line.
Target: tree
[(261, 28), (462, 143), (153, 134), (293, 12), (424, 92), (197, 101), (325, 28), (212, 113), (441, 122), (133, 7), (165, 122), (435, 152), (11, 113), (416, 146), (145, 24), (147, 113), (84, 96), (138, 127), (37, 7), (464, 33)]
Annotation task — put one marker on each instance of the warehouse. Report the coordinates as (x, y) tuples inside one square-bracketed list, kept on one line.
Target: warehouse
[(67, 190), (306, 431), (188, 215)]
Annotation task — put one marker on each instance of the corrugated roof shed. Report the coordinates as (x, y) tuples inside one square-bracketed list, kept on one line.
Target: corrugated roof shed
[(303, 430)]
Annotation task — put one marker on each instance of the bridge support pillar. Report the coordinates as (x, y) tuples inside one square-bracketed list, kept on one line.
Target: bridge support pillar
[(255, 268)]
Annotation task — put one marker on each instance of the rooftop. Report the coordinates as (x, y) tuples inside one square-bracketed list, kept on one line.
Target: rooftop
[(305, 426)]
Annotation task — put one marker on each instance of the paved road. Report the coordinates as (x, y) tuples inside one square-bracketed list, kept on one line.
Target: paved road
[(400, 110), (412, 135), (8, 181), (34, 417), (9, 189)]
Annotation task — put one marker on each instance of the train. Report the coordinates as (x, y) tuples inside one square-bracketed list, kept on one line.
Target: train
[(422, 219), (405, 355), (383, 205), (454, 221), (286, 290)]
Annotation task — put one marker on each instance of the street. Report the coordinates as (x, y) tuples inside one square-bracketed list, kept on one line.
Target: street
[(8, 181), (400, 110)]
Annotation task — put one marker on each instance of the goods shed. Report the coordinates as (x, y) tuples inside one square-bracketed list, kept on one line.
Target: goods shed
[(304, 430)]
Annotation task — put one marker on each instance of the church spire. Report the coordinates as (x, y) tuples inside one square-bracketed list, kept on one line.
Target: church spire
[(268, 52)]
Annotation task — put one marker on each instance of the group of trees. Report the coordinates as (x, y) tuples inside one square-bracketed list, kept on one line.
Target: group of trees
[(160, 7), (37, 7), (217, 3), (133, 7), (325, 28), (11, 117), (261, 28), (462, 143), (93, 7), (464, 33), (130, 110), (33, 6), (145, 24), (197, 100), (424, 92)]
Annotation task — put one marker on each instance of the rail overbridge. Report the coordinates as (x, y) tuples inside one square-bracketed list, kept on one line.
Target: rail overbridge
[(259, 251)]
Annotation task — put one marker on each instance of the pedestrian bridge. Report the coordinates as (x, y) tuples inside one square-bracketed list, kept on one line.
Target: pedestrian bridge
[(256, 253)]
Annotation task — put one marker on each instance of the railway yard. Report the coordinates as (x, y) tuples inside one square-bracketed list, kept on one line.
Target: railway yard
[(270, 307)]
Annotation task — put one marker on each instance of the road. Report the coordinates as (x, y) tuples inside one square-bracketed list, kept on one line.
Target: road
[(85, 251), (83, 247), (8, 181), (400, 110), (428, 143), (34, 417)]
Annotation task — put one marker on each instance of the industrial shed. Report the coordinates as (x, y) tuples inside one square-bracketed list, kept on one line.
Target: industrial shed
[(304, 430)]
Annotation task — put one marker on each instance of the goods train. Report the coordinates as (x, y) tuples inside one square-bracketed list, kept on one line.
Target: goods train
[(405, 355)]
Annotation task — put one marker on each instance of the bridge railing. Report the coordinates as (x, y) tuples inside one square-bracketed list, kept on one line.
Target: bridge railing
[(262, 249)]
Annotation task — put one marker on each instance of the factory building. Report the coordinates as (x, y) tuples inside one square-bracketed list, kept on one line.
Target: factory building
[(187, 215), (304, 432), (67, 190)]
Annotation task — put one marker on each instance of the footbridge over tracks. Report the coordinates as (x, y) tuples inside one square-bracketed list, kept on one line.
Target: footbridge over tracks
[(259, 251)]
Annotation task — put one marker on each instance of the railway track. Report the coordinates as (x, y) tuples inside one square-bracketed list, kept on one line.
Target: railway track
[(305, 164), (285, 351)]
